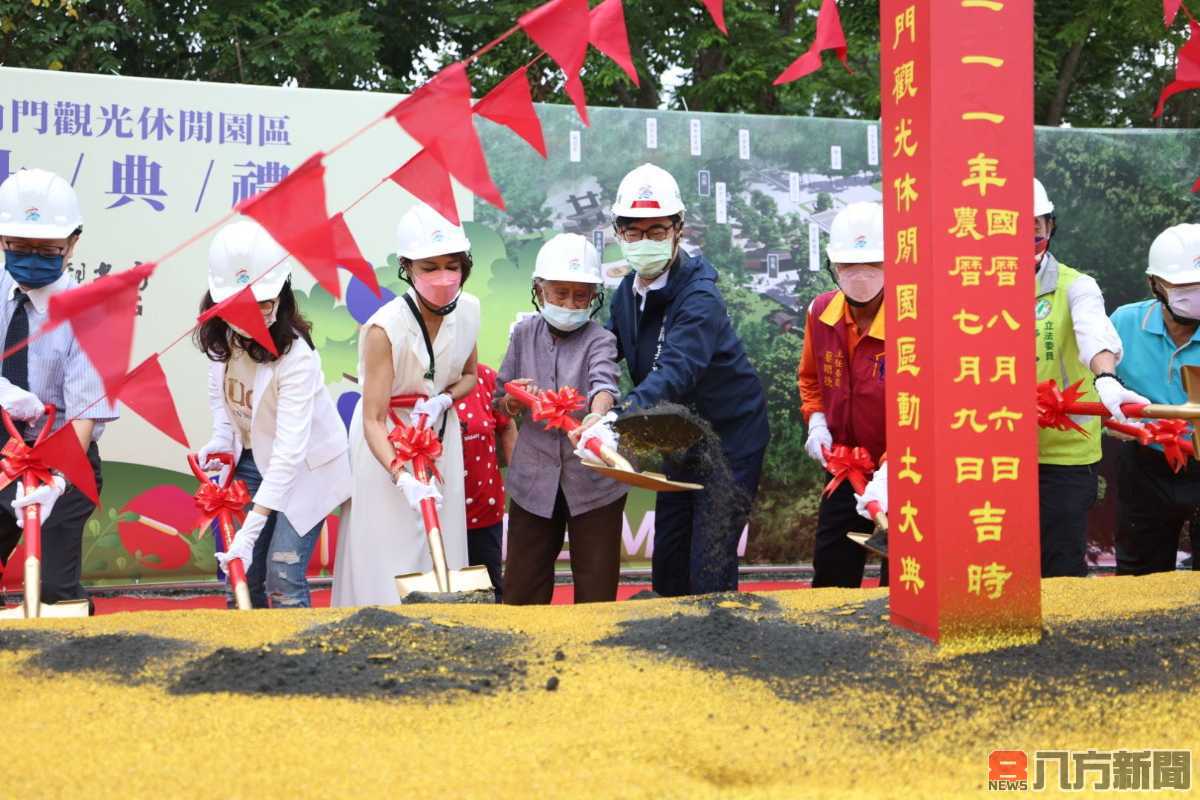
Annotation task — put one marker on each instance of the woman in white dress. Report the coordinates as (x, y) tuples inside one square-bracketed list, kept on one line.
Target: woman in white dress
[(421, 343)]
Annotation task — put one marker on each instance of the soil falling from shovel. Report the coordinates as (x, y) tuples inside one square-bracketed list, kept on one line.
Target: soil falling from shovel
[(673, 439)]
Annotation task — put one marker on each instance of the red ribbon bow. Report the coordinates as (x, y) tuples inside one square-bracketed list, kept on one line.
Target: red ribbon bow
[(1166, 432), (556, 406), (411, 442), (1053, 402), (848, 463), (19, 462), (212, 499)]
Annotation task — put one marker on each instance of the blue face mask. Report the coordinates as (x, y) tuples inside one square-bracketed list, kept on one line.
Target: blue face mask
[(33, 270), (565, 319)]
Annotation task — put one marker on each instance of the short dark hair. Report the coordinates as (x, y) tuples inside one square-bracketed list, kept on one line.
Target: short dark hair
[(215, 338)]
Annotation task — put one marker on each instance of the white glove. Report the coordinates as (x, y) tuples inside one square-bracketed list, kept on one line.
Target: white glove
[(600, 430), (819, 437), (45, 496), (205, 454), (1113, 394), (431, 409), (243, 541), (20, 404), (415, 491), (876, 490)]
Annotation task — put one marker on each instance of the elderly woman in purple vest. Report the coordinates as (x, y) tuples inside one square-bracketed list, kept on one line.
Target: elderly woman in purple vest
[(550, 491), (841, 385)]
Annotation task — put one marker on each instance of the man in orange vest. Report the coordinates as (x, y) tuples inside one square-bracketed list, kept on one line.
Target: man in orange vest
[(841, 380)]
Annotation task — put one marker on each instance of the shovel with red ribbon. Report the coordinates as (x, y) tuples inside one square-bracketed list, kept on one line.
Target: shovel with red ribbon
[(20, 463), (418, 447), (555, 407), (224, 502), (854, 464), (1168, 427)]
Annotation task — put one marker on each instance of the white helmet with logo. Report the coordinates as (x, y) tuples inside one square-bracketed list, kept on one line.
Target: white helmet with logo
[(424, 233), (856, 236), (1175, 255), (648, 191), (1041, 201), (239, 253), (568, 257), (37, 204)]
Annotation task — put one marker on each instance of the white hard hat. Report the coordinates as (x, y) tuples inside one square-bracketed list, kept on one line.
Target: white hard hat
[(37, 204), (568, 257), (239, 253), (1175, 255), (1041, 201), (648, 191), (856, 236), (424, 233)]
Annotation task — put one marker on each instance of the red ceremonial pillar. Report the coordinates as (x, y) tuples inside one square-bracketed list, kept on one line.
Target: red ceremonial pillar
[(957, 133)]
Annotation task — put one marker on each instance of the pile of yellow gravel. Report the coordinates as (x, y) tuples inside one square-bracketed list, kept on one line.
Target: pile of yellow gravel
[(790, 694)]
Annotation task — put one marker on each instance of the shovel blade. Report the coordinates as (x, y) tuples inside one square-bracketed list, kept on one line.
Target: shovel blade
[(468, 579), (67, 609), (876, 542)]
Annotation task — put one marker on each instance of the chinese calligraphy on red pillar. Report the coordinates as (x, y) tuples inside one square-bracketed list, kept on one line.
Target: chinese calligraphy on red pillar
[(957, 128)]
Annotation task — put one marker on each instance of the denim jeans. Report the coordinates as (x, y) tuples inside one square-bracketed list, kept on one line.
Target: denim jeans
[(281, 554)]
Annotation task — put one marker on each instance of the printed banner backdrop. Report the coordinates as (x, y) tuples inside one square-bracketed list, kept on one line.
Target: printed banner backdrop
[(156, 161)]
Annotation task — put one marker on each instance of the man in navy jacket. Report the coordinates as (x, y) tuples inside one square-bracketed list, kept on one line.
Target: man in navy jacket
[(675, 335)]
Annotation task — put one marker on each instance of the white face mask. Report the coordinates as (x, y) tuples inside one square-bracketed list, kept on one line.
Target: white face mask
[(648, 259), (564, 319), (1185, 302), (862, 283)]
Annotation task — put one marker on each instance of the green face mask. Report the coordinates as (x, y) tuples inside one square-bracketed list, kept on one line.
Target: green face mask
[(648, 259)]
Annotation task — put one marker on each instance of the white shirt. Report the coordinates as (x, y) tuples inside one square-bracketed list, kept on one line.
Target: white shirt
[(1094, 331), (655, 285)]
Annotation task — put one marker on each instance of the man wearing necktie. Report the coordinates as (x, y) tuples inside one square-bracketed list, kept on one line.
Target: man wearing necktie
[(40, 224)]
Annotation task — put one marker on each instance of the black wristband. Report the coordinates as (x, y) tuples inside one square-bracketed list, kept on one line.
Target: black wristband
[(1107, 375)]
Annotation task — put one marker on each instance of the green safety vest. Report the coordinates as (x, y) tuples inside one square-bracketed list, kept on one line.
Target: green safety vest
[(1058, 358)]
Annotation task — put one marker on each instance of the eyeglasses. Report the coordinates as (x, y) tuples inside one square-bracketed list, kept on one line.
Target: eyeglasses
[(24, 247), (655, 233)]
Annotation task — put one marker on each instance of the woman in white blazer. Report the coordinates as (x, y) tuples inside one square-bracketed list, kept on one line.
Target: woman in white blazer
[(274, 414)]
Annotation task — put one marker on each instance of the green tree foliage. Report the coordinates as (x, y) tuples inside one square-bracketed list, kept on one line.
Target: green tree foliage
[(1097, 62), (328, 44)]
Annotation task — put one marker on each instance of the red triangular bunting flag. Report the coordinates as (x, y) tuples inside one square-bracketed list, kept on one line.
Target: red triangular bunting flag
[(716, 8), (61, 451), (425, 179), (574, 89), (829, 37), (607, 33), (438, 116), (1173, 88), (241, 310), (349, 257), (1170, 9), (146, 393), (560, 27), (294, 214), (510, 104), (102, 313), (1187, 69)]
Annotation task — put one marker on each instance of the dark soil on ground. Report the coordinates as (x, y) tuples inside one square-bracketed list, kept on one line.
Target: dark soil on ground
[(120, 655), (373, 653), (854, 649)]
